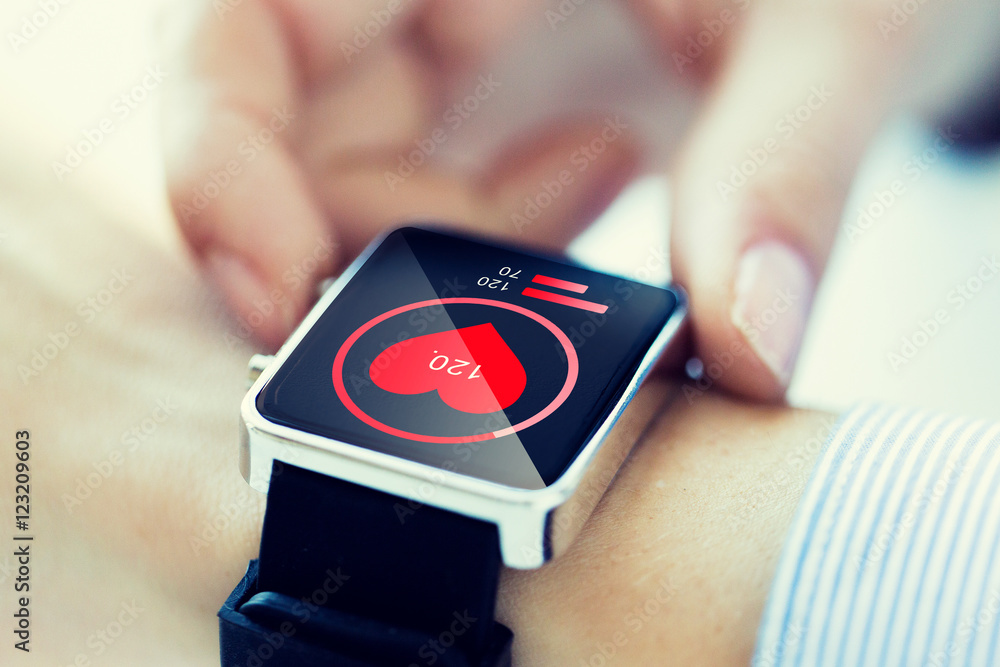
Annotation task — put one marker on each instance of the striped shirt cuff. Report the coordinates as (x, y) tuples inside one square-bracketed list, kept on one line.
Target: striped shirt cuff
[(892, 558)]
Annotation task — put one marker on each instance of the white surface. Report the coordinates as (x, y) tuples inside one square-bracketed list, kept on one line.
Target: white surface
[(877, 289), (901, 271)]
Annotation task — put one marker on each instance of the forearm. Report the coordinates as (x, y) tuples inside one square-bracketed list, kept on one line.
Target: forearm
[(696, 518), (677, 560)]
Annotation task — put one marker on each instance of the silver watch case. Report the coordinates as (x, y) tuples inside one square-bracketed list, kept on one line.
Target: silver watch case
[(534, 525)]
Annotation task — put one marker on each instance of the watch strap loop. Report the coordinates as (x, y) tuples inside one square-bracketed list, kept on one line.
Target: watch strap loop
[(365, 576), (273, 630)]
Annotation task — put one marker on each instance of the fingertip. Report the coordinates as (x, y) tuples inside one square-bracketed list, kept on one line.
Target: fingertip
[(773, 294), (749, 314), (759, 197), (263, 312), (730, 364), (748, 337)]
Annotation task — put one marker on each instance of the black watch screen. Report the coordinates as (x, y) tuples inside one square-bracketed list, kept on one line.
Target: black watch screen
[(470, 357)]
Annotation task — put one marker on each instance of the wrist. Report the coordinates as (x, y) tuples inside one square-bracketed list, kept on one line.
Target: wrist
[(679, 556)]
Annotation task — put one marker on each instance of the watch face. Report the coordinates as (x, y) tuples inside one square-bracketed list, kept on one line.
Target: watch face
[(478, 359)]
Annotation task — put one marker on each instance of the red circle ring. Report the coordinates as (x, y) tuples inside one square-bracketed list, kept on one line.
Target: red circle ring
[(571, 375)]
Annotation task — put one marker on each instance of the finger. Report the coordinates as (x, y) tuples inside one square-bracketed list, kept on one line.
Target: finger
[(457, 35), (386, 101), (542, 191), (762, 180), (690, 36), (236, 188), (330, 37), (558, 179)]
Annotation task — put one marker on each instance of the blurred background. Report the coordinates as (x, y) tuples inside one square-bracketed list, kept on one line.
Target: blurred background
[(893, 269)]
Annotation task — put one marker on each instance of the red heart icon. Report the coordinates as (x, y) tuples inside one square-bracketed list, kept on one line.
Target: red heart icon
[(472, 369)]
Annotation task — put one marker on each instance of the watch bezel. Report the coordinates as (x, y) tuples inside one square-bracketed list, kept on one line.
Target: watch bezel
[(531, 530)]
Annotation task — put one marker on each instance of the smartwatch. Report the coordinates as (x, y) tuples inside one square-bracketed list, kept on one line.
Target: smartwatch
[(439, 413)]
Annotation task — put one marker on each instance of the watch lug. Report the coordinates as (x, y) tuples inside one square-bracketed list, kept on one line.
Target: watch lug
[(257, 364)]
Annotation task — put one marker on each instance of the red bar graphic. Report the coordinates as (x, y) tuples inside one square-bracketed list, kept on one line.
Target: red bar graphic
[(559, 284), (570, 301)]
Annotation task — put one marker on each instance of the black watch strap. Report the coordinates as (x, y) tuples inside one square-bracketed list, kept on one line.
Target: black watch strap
[(352, 576)]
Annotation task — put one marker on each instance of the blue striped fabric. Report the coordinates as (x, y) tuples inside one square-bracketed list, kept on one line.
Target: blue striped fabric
[(894, 554)]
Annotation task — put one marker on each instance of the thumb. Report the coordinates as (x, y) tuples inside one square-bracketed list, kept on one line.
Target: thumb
[(761, 182)]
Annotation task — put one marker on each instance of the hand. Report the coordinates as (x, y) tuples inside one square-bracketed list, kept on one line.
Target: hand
[(676, 562), (139, 539), (794, 94), (286, 153), (143, 524)]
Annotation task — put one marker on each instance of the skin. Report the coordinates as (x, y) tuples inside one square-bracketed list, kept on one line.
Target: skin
[(355, 114), (695, 523), (697, 516)]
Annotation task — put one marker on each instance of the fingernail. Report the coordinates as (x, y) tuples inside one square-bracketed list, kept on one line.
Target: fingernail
[(267, 312), (774, 291)]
